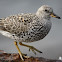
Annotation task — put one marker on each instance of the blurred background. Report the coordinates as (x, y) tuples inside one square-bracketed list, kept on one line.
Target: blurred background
[(51, 45)]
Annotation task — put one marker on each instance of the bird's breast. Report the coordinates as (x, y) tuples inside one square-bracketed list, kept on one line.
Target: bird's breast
[(41, 30), (37, 31)]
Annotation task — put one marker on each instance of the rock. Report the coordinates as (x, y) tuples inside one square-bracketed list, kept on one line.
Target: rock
[(14, 57)]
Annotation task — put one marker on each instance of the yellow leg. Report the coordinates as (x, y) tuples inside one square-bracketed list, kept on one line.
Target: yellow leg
[(18, 50), (30, 48)]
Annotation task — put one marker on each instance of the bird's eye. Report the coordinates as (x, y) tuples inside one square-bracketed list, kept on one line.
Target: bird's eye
[(46, 10)]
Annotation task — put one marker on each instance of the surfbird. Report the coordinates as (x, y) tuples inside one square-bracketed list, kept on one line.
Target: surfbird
[(28, 27)]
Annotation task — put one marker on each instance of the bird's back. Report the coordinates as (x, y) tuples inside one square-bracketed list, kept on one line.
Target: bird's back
[(16, 23)]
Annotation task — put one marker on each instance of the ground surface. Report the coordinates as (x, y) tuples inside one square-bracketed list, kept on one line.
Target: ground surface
[(14, 57)]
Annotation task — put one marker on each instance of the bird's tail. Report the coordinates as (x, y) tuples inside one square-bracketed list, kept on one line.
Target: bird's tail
[(1, 24)]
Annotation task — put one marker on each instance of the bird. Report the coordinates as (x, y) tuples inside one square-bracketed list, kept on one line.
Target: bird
[(28, 27)]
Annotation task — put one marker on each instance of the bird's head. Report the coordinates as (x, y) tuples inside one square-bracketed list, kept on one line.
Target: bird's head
[(46, 11)]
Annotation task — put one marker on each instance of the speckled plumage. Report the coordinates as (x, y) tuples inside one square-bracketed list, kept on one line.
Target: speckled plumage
[(24, 27), (27, 27)]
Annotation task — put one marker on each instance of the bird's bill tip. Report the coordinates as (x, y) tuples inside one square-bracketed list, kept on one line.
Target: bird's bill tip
[(54, 15)]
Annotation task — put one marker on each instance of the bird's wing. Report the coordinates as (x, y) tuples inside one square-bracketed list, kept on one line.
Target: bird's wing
[(16, 23)]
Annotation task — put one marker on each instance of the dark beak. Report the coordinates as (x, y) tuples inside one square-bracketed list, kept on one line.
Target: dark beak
[(54, 15)]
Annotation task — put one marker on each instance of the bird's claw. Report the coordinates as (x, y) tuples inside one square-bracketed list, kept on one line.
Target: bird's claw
[(24, 54), (34, 49)]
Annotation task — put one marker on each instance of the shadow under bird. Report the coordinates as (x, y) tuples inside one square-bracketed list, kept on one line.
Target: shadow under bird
[(28, 27)]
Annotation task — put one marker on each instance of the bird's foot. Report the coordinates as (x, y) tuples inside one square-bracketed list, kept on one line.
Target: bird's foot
[(34, 49), (25, 55), (30, 48)]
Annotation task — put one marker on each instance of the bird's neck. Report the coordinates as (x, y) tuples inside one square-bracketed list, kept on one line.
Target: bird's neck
[(43, 15), (44, 18)]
